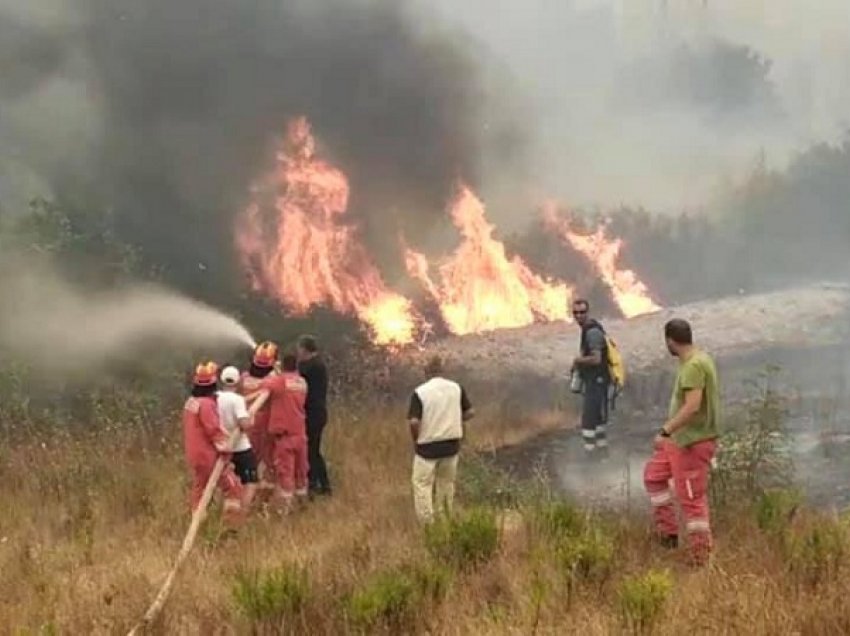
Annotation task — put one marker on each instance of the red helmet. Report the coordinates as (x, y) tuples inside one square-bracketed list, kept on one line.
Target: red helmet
[(265, 355), (206, 374)]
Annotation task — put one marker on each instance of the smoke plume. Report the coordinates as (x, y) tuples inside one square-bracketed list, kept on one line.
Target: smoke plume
[(58, 327), (166, 111)]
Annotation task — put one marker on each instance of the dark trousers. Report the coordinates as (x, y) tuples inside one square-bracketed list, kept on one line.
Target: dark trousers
[(318, 474), (594, 414)]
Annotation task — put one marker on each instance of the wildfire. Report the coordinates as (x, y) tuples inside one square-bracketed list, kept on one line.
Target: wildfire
[(480, 288), (631, 295), (297, 247)]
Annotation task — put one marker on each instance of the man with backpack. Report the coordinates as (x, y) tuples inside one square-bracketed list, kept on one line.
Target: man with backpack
[(593, 367)]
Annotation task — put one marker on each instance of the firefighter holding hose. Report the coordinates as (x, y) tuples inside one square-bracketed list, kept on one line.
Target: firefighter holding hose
[(205, 440), (262, 365)]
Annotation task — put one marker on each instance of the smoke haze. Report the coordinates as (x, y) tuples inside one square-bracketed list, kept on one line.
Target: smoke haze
[(662, 103), (57, 327), (164, 112)]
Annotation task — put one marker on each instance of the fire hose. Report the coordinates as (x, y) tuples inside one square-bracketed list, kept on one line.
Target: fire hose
[(189, 540)]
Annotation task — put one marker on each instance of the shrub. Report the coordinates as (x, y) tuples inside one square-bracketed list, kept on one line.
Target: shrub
[(775, 509), (463, 541), (816, 551), (556, 520), (642, 599), (754, 454), (268, 597), (481, 483), (588, 556), (432, 581), (388, 599)]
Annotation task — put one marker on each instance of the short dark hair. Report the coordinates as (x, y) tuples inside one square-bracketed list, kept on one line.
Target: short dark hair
[(289, 362), (434, 366), (583, 302), (308, 343), (679, 331)]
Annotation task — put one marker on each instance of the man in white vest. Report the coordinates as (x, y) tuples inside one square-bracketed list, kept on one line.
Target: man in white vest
[(438, 410)]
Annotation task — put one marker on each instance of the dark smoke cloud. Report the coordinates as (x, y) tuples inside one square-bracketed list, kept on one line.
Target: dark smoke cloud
[(189, 95)]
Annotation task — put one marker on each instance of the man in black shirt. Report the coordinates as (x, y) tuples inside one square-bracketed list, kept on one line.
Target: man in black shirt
[(592, 364), (313, 370)]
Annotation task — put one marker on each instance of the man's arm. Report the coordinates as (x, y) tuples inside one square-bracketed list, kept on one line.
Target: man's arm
[(690, 407), (595, 342), (258, 403), (243, 418), (213, 430), (467, 412), (414, 416), (693, 383)]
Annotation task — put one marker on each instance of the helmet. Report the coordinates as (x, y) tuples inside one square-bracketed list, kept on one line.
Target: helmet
[(230, 376), (265, 354), (205, 374)]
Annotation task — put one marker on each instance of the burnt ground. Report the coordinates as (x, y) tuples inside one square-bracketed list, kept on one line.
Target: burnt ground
[(814, 380)]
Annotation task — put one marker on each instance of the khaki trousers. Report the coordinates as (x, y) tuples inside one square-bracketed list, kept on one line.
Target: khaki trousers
[(433, 479)]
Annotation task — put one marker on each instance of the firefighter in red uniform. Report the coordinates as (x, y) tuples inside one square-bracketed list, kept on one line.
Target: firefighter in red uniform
[(205, 440), (286, 393), (262, 364)]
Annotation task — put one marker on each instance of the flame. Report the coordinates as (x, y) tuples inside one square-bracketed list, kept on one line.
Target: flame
[(480, 288), (296, 245), (631, 295)]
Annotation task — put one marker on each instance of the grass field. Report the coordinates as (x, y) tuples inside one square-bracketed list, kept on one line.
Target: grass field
[(91, 523)]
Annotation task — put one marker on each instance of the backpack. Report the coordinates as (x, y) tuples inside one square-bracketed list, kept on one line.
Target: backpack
[(616, 368), (616, 365)]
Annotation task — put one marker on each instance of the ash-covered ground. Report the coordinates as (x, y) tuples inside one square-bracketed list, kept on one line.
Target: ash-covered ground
[(803, 331)]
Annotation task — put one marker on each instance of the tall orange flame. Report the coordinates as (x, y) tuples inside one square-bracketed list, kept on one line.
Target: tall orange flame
[(630, 293), (480, 288), (296, 247)]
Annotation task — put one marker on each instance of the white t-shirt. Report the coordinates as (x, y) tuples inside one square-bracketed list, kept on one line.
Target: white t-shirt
[(231, 408)]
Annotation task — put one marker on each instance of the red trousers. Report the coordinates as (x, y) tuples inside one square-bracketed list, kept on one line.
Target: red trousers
[(228, 483), (689, 469), (290, 464)]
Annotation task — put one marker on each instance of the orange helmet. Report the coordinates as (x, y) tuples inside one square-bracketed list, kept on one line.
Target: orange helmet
[(265, 354), (206, 374)]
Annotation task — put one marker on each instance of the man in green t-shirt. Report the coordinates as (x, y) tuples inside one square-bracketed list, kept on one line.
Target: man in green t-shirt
[(685, 445)]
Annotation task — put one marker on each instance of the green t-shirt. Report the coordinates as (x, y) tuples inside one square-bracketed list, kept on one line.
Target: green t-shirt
[(697, 372)]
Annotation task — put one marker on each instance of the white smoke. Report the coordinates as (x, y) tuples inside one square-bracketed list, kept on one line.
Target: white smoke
[(59, 327)]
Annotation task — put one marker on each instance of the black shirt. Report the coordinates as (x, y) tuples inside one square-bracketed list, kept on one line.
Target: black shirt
[(315, 373)]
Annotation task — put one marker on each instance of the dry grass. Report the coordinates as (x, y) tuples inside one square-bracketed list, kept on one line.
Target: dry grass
[(90, 525)]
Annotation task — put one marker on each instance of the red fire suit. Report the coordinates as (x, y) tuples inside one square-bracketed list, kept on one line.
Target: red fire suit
[(204, 441), (288, 430), (689, 469), (258, 434)]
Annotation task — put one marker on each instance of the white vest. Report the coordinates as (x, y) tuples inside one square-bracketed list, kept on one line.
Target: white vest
[(442, 418)]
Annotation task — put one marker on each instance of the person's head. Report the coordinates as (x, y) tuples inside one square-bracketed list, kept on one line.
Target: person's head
[(307, 347), (230, 378), (265, 355), (204, 379), (434, 367), (678, 335), (289, 362), (581, 311)]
